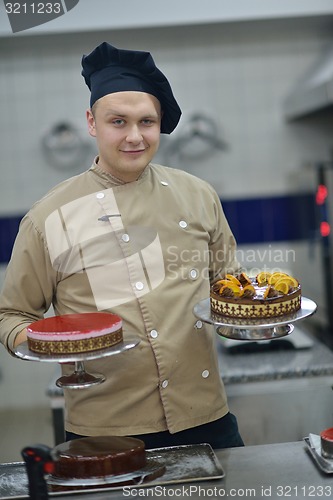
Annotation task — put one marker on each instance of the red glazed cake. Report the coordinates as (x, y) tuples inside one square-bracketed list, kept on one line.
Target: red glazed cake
[(267, 295), (75, 333), (326, 439), (94, 457)]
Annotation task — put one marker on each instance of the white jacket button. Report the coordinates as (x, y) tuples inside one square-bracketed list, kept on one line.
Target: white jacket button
[(165, 384), (154, 334), (205, 374), (193, 274)]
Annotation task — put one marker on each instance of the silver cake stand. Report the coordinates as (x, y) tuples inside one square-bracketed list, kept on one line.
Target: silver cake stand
[(256, 329), (80, 378)]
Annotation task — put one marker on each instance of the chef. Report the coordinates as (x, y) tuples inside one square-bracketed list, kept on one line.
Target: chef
[(140, 240)]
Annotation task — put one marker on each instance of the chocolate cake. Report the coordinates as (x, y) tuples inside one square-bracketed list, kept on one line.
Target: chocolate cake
[(75, 333), (268, 295), (98, 457)]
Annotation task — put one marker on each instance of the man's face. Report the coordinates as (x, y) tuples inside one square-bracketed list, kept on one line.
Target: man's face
[(127, 130)]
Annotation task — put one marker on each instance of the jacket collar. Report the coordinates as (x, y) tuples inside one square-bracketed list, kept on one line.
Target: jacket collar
[(110, 180)]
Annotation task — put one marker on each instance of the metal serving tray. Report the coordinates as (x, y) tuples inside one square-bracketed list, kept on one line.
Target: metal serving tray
[(183, 464)]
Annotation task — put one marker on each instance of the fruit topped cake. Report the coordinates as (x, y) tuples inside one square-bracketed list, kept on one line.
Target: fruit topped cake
[(267, 295)]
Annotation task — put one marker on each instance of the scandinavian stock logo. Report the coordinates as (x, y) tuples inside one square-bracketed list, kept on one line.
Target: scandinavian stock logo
[(87, 237), (24, 15)]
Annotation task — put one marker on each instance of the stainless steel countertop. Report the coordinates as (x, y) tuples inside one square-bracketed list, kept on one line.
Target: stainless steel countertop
[(274, 364), (272, 471)]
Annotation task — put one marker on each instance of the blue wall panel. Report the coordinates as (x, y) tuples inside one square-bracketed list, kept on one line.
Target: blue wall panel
[(255, 220)]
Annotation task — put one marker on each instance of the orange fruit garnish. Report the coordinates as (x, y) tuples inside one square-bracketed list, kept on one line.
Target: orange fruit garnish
[(263, 277), (233, 279), (291, 282), (282, 286), (249, 287), (266, 294), (275, 277)]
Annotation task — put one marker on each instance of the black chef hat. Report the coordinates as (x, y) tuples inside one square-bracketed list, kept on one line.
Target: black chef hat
[(107, 70)]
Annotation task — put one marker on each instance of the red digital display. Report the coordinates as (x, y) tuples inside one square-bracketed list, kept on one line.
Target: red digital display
[(321, 194), (325, 228)]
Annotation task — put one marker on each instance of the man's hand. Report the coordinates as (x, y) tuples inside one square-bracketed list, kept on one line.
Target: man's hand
[(20, 338)]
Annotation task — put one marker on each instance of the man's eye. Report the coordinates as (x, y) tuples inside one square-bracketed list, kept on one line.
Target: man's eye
[(118, 122)]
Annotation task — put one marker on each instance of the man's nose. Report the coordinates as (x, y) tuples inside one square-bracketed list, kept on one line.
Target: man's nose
[(134, 134)]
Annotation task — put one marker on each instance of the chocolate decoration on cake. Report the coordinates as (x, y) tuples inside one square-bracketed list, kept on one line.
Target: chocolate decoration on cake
[(268, 295)]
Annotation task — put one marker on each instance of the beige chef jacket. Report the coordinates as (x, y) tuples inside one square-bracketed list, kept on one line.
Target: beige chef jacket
[(147, 251)]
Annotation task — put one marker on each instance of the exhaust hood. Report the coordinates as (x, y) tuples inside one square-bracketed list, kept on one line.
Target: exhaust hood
[(314, 92)]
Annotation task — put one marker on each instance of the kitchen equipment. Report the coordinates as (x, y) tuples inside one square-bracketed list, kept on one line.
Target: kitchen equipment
[(38, 462), (315, 91), (315, 254), (64, 146)]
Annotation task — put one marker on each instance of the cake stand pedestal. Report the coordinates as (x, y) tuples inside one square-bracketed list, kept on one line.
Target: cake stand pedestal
[(253, 329), (80, 378)]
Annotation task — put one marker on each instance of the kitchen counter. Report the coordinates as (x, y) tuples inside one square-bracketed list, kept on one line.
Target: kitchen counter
[(267, 471), (272, 363), (278, 394)]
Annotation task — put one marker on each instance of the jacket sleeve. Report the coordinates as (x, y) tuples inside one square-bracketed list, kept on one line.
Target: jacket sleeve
[(29, 283), (222, 246)]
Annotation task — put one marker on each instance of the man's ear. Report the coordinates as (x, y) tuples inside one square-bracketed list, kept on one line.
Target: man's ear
[(91, 123)]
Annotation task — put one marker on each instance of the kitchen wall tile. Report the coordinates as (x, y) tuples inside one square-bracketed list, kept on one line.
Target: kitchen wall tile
[(237, 74)]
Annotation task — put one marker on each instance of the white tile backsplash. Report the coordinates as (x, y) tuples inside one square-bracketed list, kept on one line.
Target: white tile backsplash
[(238, 74)]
